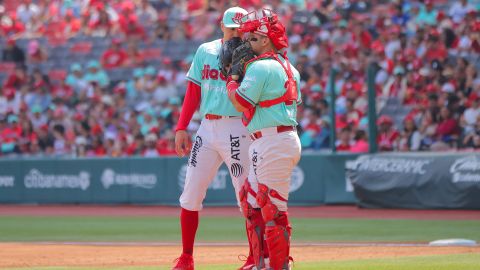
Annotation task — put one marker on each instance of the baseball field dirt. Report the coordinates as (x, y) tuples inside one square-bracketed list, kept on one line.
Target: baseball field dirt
[(105, 255)]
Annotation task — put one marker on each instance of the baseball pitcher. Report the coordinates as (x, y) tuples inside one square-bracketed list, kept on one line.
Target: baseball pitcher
[(220, 138)]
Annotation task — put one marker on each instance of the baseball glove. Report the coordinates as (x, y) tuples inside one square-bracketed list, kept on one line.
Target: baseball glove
[(226, 54), (241, 55)]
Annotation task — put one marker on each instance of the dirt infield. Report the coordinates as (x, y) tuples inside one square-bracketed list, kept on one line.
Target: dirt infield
[(344, 211), (36, 255)]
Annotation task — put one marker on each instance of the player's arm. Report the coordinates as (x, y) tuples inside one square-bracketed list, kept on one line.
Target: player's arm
[(193, 95), (246, 95), (183, 143), (236, 100)]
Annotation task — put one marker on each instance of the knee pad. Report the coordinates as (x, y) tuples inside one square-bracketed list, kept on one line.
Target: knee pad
[(269, 210)]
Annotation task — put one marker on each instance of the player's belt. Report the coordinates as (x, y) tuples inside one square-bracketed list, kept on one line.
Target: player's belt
[(279, 129), (216, 117)]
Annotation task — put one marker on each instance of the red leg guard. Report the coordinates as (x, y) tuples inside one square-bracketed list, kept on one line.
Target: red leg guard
[(255, 227), (277, 230)]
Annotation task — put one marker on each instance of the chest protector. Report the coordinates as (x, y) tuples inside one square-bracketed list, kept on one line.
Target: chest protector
[(291, 91)]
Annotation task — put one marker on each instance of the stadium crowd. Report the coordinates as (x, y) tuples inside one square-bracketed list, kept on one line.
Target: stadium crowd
[(426, 54)]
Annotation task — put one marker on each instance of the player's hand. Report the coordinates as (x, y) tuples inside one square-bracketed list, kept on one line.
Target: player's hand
[(183, 143), (241, 55)]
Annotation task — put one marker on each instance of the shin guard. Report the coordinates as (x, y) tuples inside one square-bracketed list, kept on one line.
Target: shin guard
[(277, 230), (255, 226)]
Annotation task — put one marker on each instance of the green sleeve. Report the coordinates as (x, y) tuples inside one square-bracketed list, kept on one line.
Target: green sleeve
[(195, 72)]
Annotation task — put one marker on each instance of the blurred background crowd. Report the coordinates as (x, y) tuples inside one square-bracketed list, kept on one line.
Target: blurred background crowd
[(92, 78)]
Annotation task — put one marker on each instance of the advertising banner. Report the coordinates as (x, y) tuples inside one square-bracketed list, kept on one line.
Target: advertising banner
[(417, 180)]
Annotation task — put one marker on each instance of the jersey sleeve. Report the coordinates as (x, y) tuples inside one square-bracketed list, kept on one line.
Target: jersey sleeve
[(194, 74), (250, 89)]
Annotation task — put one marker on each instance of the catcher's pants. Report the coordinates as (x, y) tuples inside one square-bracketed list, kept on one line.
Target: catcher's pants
[(217, 141), (272, 159)]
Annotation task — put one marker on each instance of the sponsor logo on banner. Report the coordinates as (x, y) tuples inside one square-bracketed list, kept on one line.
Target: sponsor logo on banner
[(389, 165), (297, 179), (35, 179), (466, 169), (7, 181), (219, 181), (110, 178)]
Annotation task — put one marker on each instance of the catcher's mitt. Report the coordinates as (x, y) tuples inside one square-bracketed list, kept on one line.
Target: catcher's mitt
[(241, 55), (226, 54)]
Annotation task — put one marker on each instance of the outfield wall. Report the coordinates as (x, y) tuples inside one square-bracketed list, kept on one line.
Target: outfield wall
[(318, 179)]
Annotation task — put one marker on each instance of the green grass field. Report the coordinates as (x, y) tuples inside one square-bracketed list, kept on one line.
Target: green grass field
[(217, 229), (221, 229)]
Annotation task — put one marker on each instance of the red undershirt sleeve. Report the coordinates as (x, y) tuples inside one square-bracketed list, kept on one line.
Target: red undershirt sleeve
[(190, 104)]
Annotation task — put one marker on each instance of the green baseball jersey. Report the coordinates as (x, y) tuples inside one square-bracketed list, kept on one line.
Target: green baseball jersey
[(265, 80), (205, 71)]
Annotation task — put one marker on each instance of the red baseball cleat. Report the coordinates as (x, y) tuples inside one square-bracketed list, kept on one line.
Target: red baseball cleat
[(184, 262), (249, 263)]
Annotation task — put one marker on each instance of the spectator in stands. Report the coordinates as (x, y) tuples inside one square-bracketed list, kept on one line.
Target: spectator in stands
[(133, 30), (447, 131), (10, 100), (322, 139), (162, 29), (135, 57), (183, 30), (388, 136), (11, 26), (76, 79), (36, 54), (410, 138), (137, 147), (427, 14), (71, 25), (472, 139), (13, 53), (163, 91), (97, 148), (360, 143), (151, 146), (28, 138), (10, 134), (166, 146), (37, 118), (100, 25), (470, 115), (147, 121), (459, 10), (27, 10), (115, 56), (61, 90), (96, 74), (146, 13), (80, 147), (344, 142)]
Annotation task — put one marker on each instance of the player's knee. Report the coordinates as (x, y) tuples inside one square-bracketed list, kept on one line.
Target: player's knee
[(269, 210), (191, 204)]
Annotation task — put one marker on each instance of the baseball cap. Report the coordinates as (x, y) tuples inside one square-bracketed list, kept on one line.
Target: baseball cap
[(231, 15)]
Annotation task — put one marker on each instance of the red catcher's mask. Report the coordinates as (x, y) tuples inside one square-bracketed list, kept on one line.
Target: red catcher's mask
[(268, 25)]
